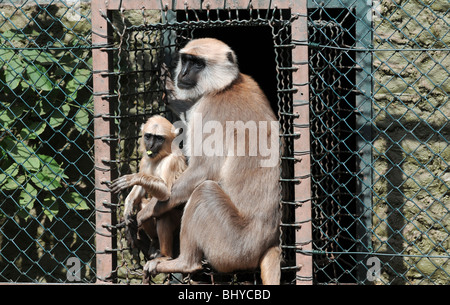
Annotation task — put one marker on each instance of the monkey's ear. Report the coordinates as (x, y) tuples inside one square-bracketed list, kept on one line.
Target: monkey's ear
[(177, 131), (230, 57)]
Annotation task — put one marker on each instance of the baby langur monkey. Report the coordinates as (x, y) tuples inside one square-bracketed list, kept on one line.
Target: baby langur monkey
[(160, 166)]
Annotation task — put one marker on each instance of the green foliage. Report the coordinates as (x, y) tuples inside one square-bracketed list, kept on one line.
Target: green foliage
[(45, 121)]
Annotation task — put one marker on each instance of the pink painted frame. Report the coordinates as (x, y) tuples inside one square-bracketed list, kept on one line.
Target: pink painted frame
[(103, 150)]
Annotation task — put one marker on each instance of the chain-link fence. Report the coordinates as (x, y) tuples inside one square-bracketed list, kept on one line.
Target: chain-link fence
[(142, 65), (380, 141), (46, 158), (378, 126)]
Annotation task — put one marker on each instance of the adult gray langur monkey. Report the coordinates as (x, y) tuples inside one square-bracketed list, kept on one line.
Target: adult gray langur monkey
[(232, 215)]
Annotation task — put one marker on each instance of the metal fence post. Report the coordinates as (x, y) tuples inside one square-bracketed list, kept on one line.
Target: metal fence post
[(302, 169), (105, 258)]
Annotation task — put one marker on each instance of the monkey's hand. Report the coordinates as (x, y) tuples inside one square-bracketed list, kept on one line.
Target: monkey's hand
[(121, 183), (131, 232), (128, 211), (154, 186), (154, 208), (147, 212)]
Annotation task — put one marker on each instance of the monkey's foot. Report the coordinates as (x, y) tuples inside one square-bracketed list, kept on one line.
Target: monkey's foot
[(154, 253), (150, 268)]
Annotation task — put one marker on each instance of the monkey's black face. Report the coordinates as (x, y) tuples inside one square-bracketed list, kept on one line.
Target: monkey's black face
[(153, 144), (191, 66)]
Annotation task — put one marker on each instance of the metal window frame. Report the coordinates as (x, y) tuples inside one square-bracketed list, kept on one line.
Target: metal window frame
[(102, 88), (362, 11)]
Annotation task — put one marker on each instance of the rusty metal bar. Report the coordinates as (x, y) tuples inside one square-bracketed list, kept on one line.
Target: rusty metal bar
[(197, 4), (105, 217)]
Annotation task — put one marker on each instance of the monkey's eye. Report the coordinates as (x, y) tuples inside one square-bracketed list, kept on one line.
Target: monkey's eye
[(184, 58), (159, 138), (199, 64), (149, 136)]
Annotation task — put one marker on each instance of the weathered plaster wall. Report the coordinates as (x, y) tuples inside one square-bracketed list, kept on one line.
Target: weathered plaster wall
[(412, 134)]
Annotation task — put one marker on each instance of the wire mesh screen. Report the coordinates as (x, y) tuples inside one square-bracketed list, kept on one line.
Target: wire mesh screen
[(380, 158), (334, 161), (46, 157), (146, 57), (141, 77)]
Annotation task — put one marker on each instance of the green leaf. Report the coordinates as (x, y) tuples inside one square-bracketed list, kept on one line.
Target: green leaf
[(82, 119), (5, 119), (15, 35), (82, 75), (50, 206), (17, 109), (13, 72), (33, 130), (72, 96), (37, 75), (46, 179), (79, 80), (74, 200), (51, 163), (9, 114), (22, 154), (6, 54), (49, 176), (41, 57), (59, 116), (42, 108), (27, 196), (8, 179), (66, 64), (13, 183)]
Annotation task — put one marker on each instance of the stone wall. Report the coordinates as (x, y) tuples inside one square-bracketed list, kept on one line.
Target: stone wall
[(411, 200)]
